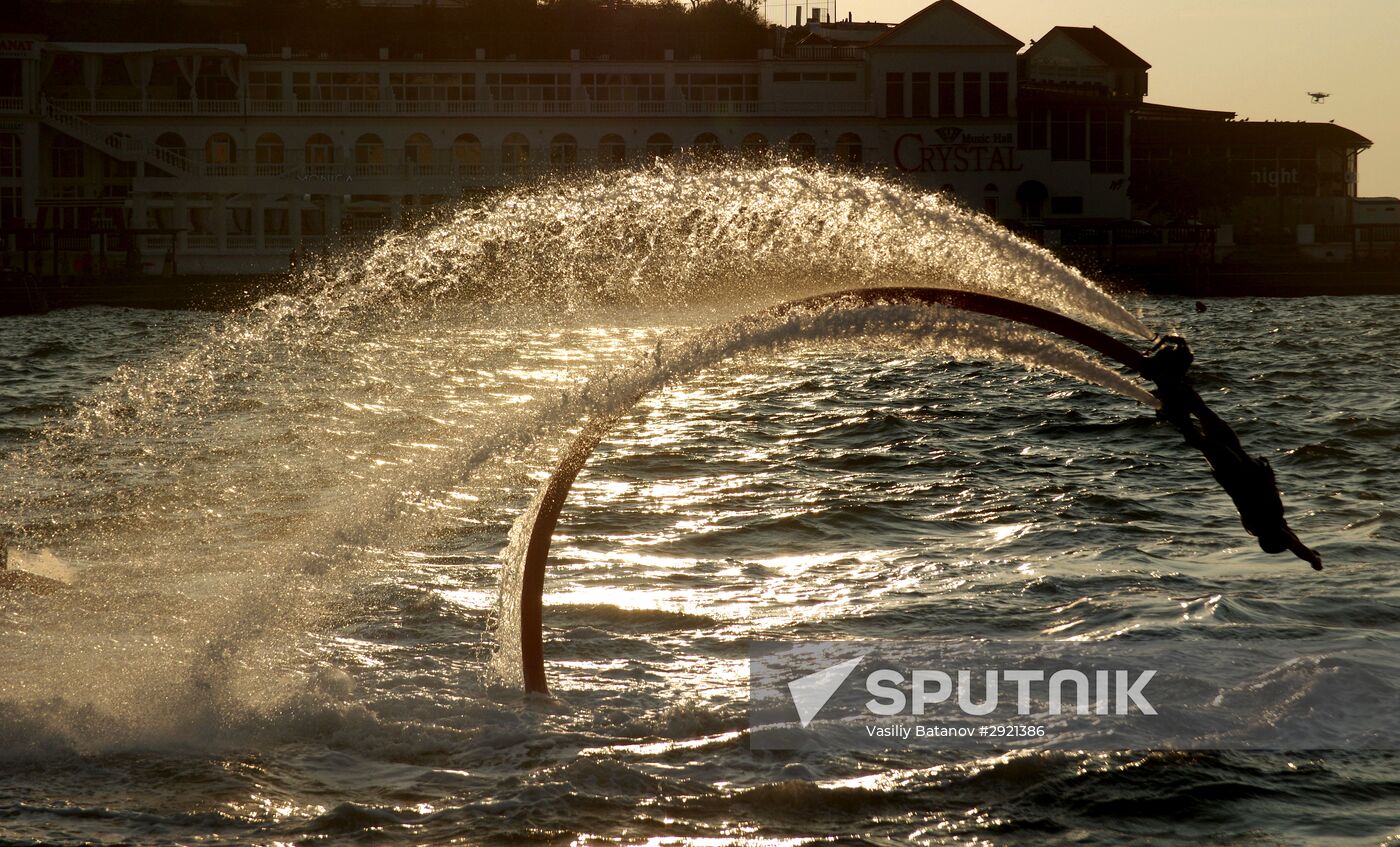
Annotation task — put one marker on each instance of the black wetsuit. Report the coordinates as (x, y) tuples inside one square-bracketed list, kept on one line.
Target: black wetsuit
[(1249, 481)]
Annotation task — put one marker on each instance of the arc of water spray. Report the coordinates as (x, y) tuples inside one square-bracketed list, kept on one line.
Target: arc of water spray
[(1248, 481)]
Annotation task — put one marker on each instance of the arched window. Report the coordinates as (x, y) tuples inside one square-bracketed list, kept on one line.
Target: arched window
[(515, 154), (659, 146), (754, 144), (707, 145), (172, 141), (990, 195), (612, 150), (563, 152), (466, 155), (802, 147), (269, 154), (1031, 195), (220, 153), (849, 150), (418, 154), (320, 155), (369, 155)]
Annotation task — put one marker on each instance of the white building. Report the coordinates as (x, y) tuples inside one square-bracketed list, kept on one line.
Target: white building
[(235, 160)]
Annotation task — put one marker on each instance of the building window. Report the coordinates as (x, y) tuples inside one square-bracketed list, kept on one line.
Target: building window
[(947, 95), (9, 155), (219, 150), (754, 144), (999, 94), (339, 87), (466, 155), (66, 158), (529, 88), (624, 88), (612, 150), (1105, 141), (659, 146), (265, 85), (369, 155), (320, 155), (216, 80), (1067, 135), (563, 152), (802, 147), (707, 145), (894, 95), (1066, 205), (418, 154), (1031, 195), (269, 154), (11, 204), (515, 154), (848, 149), (922, 94), (172, 141), (718, 88), (1033, 130), (990, 195), (430, 89), (972, 94)]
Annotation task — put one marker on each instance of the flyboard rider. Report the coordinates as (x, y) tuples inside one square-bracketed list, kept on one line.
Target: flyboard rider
[(1248, 480)]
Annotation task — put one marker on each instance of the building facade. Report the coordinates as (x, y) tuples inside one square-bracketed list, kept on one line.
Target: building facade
[(230, 162)]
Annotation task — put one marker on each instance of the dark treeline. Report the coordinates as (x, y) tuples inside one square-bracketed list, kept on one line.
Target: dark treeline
[(621, 29)]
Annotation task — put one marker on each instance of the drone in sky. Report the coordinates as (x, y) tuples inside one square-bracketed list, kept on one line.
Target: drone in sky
[(1318, 96)]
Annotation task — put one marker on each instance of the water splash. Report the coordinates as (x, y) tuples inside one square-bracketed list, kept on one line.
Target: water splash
[(926, 328), (755, 234), (219, 501)]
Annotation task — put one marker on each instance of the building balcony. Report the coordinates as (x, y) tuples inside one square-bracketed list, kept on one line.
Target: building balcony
[(151, 107), (136, 108)]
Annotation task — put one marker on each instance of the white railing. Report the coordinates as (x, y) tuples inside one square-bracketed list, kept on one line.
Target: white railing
[(398, 173), (436, 107), (137, 106), (829, 52), (11, 104), (579, 107)]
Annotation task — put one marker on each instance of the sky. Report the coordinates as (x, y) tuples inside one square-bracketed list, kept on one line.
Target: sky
[(1258, 58)]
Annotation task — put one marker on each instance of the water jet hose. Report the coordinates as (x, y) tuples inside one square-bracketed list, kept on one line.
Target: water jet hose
[(1249, 481)]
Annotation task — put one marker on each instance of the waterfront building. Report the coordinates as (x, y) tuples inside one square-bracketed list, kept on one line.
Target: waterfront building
[(1267, 181), (226, 161)]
